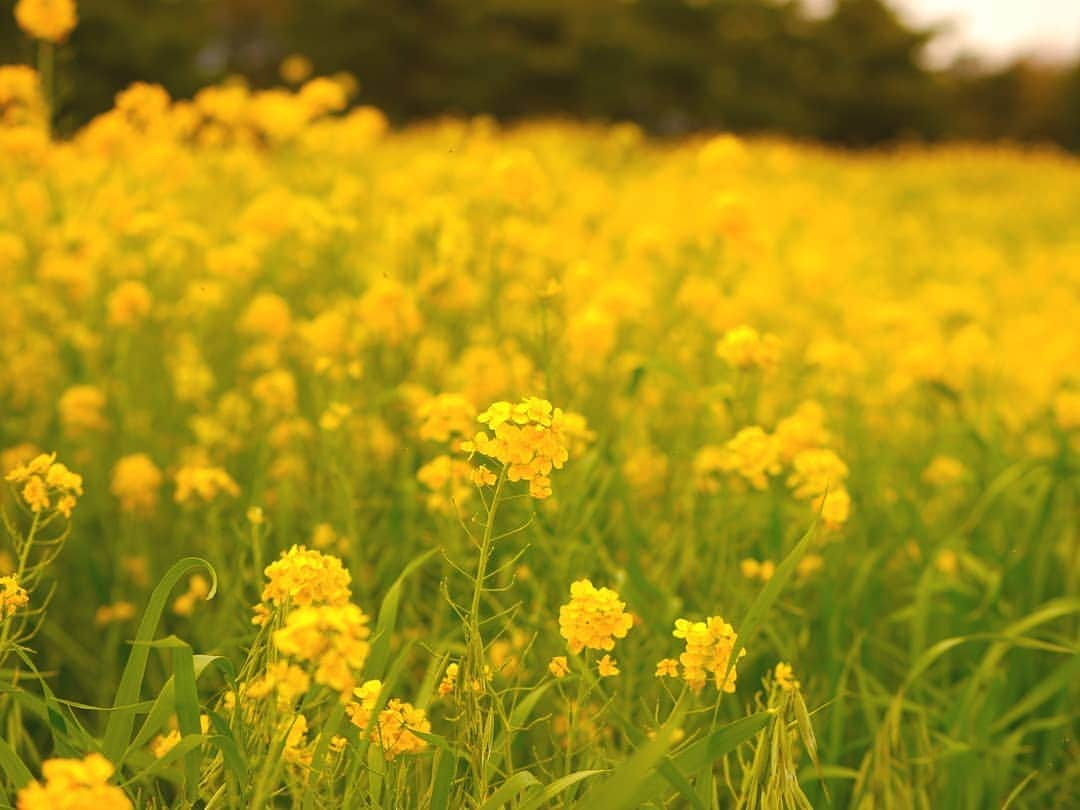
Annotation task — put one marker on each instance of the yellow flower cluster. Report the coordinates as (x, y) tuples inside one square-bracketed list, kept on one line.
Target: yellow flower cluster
[(784, 675), (593, 618), (198, 589), (79, 784), (121, 611), (51, 20), (204, 482), (21, 102), (751, 453), (816, 471), (528, 439), (12, 596), (395, 724), (708, 652), (81, 410), (450, 482), (135, 483), (302, 577), (287, 682), (446, 416), (743, 347), (332, 638), (43, 479)]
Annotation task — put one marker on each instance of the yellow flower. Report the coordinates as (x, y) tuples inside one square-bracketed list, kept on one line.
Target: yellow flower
[(115, 613), (785, 677), (744, 348), (944, 471), (753, 454), (135, 482), (809, 565), (607, 667), (198, 589), (529, 438), (667, 668), (51, 20), (558, 667), (593, 618), (74, 783), (394, 731), (762, 571), (708, 652), (333, 638), (43, 478), (835, 507), (128, 304), (302, 577), (80, 409), (12, 596), (815, 471), (445, 416), (286, 681), (295, 68), (204, 482), (449, 681)]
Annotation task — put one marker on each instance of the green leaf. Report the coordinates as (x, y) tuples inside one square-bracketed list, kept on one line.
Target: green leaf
[(17, 773), (541, 797), (379, 655), (164, 705), (520, 781), (702, 754), (623, 788), (185, 746), (768, 595), (122, 721)]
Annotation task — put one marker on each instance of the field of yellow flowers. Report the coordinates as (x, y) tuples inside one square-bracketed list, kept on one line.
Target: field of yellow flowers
[(463, 467)]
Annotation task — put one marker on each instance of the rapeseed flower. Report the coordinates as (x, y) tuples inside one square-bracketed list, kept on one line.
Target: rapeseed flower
[(593, 618)]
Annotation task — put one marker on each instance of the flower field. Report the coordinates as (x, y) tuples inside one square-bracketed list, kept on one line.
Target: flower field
[(548, 466)]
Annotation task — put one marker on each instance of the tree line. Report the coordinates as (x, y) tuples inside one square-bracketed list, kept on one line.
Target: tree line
[(854, 76)]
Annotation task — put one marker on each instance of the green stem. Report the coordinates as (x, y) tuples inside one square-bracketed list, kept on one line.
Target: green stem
[(473, 682), (46, 59)]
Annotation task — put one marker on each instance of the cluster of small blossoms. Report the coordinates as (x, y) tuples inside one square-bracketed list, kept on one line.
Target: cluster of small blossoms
[(43, 479), (394, 727), (450, 480), (197, 590), (755, 569), (74, 783), (529, 439), (445, 417), (752, 454), (944, 471), (12, 596), (332, 638), (816, 471), (303, 577), (593, 619), (286, 682), (204, 482), (708, 652), (784, 674), (804, 429), (164, 743), (743, 347), (135, 483), (50, 20)]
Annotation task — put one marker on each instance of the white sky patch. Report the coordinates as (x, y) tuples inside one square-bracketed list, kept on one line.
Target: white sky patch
[(994, 30)]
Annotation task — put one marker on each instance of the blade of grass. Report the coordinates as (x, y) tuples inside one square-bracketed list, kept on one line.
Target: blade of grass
[(122, 721)]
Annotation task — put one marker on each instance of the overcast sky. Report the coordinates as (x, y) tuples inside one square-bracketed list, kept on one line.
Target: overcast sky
[(997, 29)]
